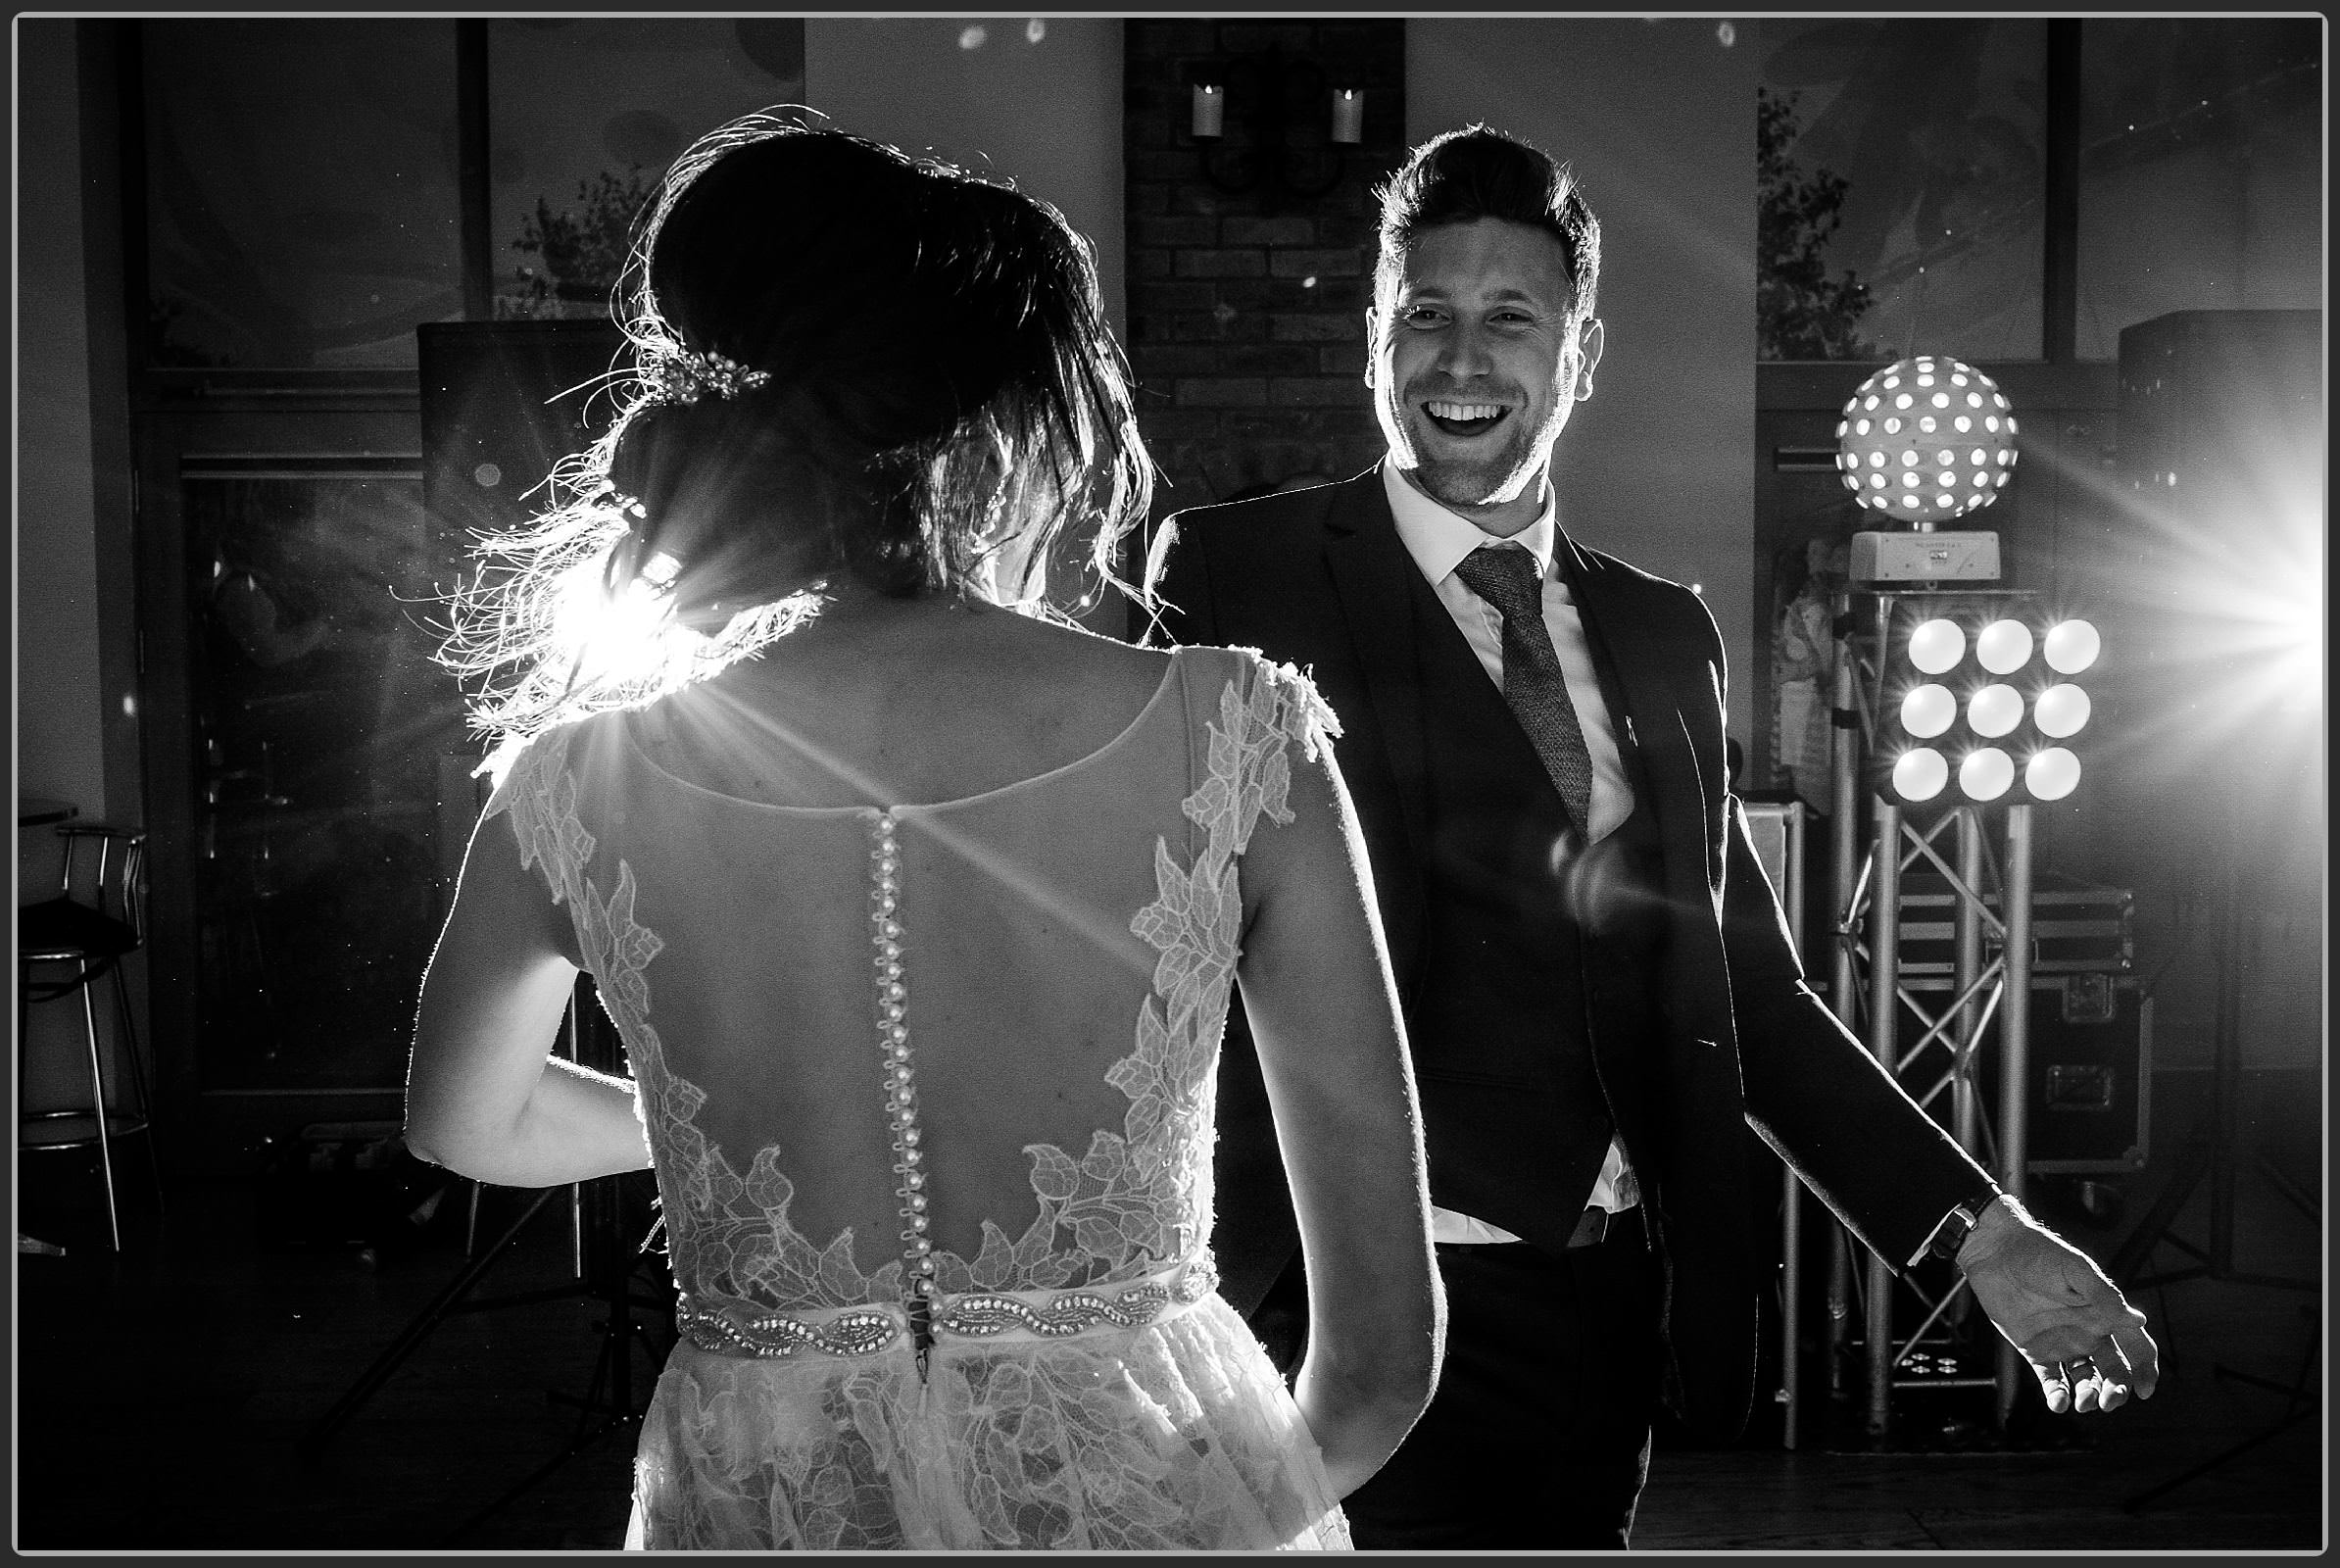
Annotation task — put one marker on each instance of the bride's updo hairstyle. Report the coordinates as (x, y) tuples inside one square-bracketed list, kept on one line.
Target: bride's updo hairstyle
[(846, 363)]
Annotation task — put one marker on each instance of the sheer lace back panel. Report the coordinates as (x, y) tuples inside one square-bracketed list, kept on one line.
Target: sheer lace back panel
[(971, 1041)]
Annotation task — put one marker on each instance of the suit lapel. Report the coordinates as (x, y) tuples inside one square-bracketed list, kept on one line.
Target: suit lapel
[(1373, 578)]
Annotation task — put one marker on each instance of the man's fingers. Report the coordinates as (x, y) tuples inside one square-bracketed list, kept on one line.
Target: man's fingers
[(2143, 1356), (2053, 1383), (2085, 1343), (2101, 1380)]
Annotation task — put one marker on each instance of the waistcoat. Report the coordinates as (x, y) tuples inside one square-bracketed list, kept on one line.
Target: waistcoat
[(1531, 1003)]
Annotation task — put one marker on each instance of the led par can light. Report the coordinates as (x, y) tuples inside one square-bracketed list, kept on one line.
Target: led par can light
[(1978, 702)]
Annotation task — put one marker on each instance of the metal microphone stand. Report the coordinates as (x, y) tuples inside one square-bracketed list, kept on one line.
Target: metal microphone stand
[(606, 1255), (2212, 1152), (614, 1265)]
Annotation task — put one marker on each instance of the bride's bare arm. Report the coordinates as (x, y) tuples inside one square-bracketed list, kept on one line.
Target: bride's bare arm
[(484, 1095), (1316, 986)]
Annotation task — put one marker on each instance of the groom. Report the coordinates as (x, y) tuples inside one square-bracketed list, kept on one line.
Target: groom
[(1599, 989)]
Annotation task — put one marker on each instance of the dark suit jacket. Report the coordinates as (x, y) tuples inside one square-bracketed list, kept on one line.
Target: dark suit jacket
[(1320, 578)]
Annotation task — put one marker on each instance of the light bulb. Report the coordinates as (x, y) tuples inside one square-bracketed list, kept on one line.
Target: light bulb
[(2072, 647), (2003, 647), (1927, 710), (2052, 774), (1937, 645), (2061, 710), (1919, 774), (1985, 773), (1994, 711)]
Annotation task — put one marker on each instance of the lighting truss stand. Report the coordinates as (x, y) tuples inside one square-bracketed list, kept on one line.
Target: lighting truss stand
[(1778, 830), (1866, 884)]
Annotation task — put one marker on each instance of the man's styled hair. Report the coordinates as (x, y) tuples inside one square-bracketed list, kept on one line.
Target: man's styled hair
[(1463, 175)]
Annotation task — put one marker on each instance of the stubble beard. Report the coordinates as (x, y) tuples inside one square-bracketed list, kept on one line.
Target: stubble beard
[(1478, 484), (1472, 485)]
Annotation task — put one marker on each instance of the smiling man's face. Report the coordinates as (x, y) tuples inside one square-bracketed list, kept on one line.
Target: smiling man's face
[(1477, 364)]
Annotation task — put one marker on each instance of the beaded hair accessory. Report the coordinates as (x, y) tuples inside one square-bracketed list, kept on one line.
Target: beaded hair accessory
[(682, 376)]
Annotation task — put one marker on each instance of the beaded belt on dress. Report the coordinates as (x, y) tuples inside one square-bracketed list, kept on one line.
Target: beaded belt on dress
[(858, 1331)]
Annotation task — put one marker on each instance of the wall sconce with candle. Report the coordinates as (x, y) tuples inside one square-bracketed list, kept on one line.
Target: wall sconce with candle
[(1280, 104)]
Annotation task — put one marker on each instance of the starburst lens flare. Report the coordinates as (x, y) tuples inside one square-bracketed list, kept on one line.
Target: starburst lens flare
[(627, 635), (2061, 710), (1985, 773), (1920, 773), (1927, 710), (2003, 647), (1937, 646), (2072, 645), (2052, 774), (1994, 711)]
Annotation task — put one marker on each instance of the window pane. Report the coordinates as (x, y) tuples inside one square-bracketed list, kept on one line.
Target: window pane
[(300, 193), (1903, 183), (583, 118), (2201, 170)]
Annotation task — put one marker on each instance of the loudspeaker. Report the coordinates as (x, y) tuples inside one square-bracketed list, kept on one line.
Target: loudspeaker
[(2214, 552), (2219, 404)]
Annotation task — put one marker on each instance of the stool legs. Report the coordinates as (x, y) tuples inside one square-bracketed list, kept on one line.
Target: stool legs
[(97, 1094), (146, 1107), (140, 1117)]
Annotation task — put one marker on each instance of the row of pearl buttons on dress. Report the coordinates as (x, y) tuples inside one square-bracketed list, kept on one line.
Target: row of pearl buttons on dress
[(901, 1095)]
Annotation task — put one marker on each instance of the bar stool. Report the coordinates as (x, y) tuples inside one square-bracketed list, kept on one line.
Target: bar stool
[(92, 933)]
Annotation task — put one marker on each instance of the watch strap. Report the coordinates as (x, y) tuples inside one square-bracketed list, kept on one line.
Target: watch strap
[(1951, 1234)]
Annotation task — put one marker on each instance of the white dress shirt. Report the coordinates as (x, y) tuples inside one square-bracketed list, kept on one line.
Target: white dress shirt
[(1438, 540)]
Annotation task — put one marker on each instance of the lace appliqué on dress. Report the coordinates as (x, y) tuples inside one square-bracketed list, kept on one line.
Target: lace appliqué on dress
[(1134, 1201), (1141, 1198), (1167, 1437), (728, 1233)]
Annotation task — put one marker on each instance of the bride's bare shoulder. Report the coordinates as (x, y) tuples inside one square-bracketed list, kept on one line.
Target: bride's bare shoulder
[(1094, 666)]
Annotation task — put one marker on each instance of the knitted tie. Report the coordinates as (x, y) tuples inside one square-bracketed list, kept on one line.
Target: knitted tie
[(1505, 575)]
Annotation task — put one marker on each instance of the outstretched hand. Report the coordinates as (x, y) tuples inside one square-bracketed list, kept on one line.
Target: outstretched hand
[(2085, 1343)]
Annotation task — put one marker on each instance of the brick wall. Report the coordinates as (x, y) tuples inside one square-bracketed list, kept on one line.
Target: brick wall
[(1246, 310)]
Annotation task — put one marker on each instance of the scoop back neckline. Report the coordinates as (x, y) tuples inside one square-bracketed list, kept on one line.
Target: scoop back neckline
[(1145, 711)]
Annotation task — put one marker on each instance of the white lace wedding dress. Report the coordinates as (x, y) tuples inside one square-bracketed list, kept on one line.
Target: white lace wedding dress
[(929, 1091)]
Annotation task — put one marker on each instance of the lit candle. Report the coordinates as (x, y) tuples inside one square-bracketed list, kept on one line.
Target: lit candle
[(1348, 115), (1210, 110)]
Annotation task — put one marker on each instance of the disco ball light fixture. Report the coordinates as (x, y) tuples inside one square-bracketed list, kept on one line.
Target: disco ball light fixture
[(1926, 439)]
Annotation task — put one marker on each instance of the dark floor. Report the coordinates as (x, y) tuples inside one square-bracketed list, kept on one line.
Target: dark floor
[(168, 1399)]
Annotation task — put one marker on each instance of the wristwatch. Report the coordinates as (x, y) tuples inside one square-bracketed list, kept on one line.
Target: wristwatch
[(1951, 1234)]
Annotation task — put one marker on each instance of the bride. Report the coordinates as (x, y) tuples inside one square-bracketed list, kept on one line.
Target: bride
[(918, 909)]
